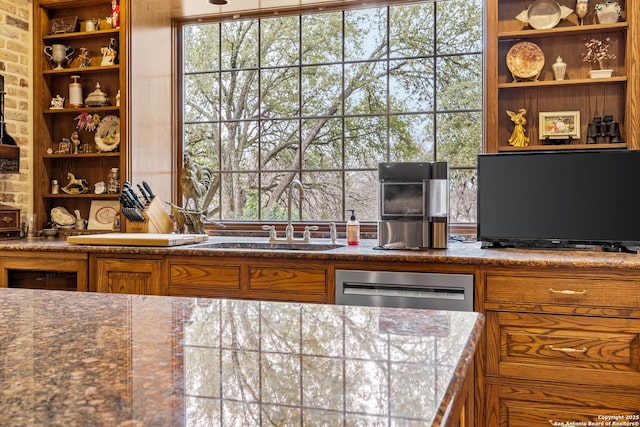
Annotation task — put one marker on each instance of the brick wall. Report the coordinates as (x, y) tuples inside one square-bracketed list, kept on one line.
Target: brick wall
[(16, 67)]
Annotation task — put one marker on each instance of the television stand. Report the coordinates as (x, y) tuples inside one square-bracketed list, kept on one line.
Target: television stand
[(616, 247), (561, 246)]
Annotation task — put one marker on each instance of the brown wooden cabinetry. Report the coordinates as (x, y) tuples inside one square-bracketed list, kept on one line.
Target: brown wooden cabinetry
[(591, 97), (52, 126), (561, 346), (279, 280), (529, 405), (142, 276), (43, 270)]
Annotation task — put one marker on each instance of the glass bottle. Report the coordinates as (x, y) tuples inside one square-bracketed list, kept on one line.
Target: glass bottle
[(113, 181)]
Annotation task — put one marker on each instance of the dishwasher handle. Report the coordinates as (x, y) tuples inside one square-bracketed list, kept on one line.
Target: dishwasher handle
[(389, 290)]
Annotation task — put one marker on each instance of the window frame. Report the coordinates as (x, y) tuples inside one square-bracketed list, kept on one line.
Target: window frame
[(367, 227)]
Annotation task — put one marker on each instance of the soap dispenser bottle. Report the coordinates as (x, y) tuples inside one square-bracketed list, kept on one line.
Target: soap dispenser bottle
[(353, 229)]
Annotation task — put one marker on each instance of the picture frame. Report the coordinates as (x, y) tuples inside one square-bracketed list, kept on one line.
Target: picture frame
[(102, 214), (67, 24), (559, 125), (64, 147)]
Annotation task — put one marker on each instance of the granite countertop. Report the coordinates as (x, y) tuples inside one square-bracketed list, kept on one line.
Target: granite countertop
[(467, 253), (70, 358)]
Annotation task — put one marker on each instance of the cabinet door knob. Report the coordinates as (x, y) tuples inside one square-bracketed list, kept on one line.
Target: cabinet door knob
[(567, 292), (568, 349)]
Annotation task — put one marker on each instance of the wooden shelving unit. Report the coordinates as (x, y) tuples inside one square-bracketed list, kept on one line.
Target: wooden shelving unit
[(616, 96), (52, 125)]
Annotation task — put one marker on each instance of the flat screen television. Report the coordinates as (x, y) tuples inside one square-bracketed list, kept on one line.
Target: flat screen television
[(560, 199)]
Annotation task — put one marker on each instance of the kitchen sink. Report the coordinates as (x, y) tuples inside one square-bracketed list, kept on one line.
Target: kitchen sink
[(272, 246)]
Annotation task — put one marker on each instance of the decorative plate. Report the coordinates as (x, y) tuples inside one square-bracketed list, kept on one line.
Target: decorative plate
[(108, 133), (544, 14), (525, 60)]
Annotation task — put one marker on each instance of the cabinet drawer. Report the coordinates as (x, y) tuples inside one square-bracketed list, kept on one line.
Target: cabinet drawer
[(519, 406), (568, 349), (286, 279), (551, 289), (205, 276)]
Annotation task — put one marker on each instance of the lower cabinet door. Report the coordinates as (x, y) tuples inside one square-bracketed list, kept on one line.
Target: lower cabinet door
[(128, 276), (530, 406)]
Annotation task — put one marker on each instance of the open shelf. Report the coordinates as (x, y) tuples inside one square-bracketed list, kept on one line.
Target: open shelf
[(548, 147), (561, 31)]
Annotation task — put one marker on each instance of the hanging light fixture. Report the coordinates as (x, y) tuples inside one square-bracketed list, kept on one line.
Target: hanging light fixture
[(218, 1)]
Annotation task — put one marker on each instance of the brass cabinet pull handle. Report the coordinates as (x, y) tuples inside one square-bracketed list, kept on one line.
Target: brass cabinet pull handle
[(568, 349), (568, 292)]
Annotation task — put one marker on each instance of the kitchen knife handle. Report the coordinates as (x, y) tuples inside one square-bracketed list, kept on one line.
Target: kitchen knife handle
[(144, 193), (148, 188)]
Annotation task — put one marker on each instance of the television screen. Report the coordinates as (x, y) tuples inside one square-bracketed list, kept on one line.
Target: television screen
[(559, 198)]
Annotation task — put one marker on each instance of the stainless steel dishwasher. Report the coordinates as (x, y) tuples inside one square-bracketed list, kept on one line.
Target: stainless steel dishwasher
[(437, 291)]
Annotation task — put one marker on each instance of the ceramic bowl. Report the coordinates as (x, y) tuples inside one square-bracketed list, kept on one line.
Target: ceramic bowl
[(50, 232)]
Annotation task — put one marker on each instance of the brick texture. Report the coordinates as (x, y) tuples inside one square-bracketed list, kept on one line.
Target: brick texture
[(16, 67)]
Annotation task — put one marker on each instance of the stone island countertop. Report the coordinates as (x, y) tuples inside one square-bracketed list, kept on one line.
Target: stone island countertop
[(468, 253), (76, 359)]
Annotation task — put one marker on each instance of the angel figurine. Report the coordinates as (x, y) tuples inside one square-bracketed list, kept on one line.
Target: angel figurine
[(518, 137)]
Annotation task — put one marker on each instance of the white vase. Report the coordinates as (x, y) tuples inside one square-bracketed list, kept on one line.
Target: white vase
[(559, 69)]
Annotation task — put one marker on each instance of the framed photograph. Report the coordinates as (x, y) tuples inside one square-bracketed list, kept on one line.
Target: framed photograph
[(560, 125), (64, 147), (103, 214)]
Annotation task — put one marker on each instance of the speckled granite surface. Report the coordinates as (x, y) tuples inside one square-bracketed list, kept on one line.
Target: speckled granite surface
[(457, 253), (86, 359)]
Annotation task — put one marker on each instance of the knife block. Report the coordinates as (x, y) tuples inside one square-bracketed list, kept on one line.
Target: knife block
[(157, 220)]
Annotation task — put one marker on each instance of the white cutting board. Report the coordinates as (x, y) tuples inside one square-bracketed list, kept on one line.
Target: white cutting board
[(137, 239)]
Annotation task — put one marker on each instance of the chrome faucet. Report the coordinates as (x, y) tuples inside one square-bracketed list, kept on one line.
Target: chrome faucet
[(333, 232), (289, 229), (306, 236)]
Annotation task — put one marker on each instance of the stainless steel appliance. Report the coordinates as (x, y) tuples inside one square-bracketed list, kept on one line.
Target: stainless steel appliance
[(413, 205), (436, 291)]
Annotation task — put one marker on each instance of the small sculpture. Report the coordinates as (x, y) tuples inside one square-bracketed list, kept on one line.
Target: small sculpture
[(195, 181), (75, 185), (75, 140), (57, 103), (518, 137), (115, 14), (87, 122), (84, 57), (108, 56), (191, 222)]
